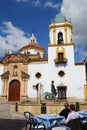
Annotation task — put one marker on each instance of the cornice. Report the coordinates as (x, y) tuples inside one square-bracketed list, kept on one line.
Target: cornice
[(57, 25), (15, 58), (65, 44)]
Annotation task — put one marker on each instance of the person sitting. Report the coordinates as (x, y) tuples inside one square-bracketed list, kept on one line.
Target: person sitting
[(65, 111), (73, 119)]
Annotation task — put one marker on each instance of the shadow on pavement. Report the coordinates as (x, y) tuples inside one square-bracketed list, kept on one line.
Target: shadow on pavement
[(12, 124)]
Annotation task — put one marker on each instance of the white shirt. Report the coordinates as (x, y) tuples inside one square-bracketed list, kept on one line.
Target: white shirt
[(72, 115)]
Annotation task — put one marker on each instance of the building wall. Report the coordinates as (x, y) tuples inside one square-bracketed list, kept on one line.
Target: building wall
[(35, 109), (42, 68)]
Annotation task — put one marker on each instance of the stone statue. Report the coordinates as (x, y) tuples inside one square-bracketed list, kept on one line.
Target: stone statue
[(53, 90), (50, 95)]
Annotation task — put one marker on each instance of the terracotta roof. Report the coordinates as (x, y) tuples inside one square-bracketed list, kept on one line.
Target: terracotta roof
[(79, 63), (32, 46)]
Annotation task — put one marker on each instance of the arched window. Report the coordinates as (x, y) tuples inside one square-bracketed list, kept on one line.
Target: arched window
[(60, 37)]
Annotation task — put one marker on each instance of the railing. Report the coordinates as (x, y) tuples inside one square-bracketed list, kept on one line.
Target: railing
[(59, 61)]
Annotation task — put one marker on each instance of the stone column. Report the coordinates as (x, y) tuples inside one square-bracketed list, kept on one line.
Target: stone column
[(39, 93)]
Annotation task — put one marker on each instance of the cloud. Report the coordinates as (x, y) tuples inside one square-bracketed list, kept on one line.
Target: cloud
[(23, 0), (51, 4), (76, 10), (36, 3), (11, 38)]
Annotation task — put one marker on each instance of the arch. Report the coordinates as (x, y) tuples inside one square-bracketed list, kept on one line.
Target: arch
[(14, 91), (60, 37)]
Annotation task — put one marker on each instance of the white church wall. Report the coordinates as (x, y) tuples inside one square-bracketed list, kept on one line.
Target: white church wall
[(73, 78), (75, 81), (69, 55), (32, 70), (80, 80), (69, 33), (51, 36)]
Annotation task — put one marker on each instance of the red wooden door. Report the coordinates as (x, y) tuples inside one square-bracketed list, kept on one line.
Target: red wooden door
[(14, 91)]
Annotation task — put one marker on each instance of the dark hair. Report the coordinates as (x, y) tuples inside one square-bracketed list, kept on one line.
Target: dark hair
[(66, 105), (72, 107)]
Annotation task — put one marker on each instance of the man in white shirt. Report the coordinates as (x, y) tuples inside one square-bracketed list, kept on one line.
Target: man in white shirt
[(72, 115)]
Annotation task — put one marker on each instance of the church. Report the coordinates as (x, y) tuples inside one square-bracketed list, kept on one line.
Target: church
[(28, 72)]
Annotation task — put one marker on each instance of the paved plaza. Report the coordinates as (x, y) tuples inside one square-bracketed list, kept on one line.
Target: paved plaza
[(9, 120)]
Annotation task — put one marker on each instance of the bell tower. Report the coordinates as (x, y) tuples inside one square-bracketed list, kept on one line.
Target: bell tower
[(60, 46), (60, 31)]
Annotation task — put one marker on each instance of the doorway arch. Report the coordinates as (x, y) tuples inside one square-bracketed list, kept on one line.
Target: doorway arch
[(14, 91)]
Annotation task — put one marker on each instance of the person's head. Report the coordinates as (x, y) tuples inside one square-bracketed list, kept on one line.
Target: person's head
[(66, 105), (72, 107)]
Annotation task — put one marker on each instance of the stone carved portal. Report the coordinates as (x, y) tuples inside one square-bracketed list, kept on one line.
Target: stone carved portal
[(14, 91)]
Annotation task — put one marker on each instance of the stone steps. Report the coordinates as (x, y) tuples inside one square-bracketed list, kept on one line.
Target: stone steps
[(6, 114)]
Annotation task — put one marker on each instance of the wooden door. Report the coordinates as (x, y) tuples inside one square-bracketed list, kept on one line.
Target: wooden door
[(14, 91), (60, 56)]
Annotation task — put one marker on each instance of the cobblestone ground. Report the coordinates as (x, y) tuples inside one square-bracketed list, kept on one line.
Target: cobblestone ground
[(9, 120)]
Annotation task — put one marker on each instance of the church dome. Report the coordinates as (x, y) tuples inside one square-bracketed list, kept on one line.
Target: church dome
[(33, 47)]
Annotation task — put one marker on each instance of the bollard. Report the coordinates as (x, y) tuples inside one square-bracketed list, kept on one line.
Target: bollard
[(77, 106), (43, 108), (16, 107)]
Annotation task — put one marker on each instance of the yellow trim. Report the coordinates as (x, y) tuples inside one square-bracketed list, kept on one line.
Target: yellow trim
[(57, 25), (54, 36), (34, 56), (59, 75), (65, 44), (85, 91), (59, 50)]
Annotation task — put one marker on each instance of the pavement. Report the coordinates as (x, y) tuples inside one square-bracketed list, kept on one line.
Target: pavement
[(9, 120)]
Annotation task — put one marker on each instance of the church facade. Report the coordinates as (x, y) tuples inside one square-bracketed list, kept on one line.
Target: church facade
[(28, 72)]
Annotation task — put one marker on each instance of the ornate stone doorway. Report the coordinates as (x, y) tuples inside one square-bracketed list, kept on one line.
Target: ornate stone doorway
[(14, 91)]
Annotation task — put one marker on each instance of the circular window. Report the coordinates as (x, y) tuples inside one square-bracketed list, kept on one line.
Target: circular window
[(15, 66), (61, 73), (38, 75)]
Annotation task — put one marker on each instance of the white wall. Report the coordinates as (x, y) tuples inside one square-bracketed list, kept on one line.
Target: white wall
[(32, 70)]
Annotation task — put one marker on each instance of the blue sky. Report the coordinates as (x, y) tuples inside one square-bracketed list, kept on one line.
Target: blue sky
[(20, 18)]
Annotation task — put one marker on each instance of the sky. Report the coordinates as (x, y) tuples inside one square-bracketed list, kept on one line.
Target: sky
[(20, 18)]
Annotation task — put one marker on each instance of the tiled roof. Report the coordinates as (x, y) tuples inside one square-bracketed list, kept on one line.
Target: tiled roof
[(59, 18), (32, 46)]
